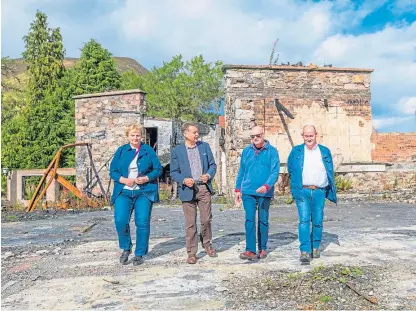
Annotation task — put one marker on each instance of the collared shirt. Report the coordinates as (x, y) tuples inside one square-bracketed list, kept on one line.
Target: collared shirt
[(195, 162), (314, 173), (133, 170)]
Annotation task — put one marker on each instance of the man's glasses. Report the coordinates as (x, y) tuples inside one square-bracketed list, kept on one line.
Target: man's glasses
[(256, 136)]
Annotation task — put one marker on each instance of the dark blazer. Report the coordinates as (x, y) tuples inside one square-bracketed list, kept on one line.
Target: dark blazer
[(181, 169), (148, 165)]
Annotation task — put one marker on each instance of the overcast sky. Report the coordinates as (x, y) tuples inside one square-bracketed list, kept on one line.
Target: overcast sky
[(368, 34)]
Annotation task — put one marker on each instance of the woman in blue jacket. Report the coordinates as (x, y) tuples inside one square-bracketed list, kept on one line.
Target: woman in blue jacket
[(135, 168)]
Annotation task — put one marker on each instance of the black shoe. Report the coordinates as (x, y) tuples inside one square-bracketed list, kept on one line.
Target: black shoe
[(316, 253), (124, 258), (138, 260), (305, 258)]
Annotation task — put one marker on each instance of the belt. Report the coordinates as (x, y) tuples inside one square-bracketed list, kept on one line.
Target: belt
[(199, 183), (312, 187)]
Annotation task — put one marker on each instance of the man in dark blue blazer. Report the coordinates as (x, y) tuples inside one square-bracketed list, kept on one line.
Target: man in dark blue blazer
[(192, 166)]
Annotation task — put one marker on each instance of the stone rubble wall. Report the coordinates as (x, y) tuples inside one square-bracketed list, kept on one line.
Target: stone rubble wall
[(102, 119)]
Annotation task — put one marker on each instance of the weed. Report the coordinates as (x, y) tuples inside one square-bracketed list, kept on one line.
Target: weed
[(318, 268), (293, 276), (11, 217), (345, 271), (342, 183), (356, 271), (342, 280), (220, 200), (289, 200), (164, 195), (325, 298), (396, 182)]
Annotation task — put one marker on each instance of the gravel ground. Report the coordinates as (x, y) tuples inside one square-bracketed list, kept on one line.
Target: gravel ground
[(322, 288), (68, 260)]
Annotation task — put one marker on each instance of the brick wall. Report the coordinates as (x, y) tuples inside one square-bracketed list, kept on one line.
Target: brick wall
[(393, 147)]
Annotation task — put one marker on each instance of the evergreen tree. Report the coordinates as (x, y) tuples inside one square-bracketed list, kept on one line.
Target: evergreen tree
[(96, 71), (29, 139)]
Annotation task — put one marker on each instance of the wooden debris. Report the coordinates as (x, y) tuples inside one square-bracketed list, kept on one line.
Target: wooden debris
[(373, 300), (111, 281), (89, 227)]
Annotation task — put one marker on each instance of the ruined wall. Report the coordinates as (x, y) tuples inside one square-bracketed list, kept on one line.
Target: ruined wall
[(101, 119), (335, 100), (164, 137), (393, 147)]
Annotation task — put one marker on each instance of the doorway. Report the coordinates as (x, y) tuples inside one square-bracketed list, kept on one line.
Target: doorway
[(150, 137)]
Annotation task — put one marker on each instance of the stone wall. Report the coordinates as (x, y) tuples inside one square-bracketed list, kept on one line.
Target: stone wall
[(393, 147), (101, 119), (164, 137), (394, 176), (335, 100)]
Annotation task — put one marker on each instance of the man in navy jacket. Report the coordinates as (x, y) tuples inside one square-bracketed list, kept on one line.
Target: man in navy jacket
[(259, 171), (312, 180), (193, 167)]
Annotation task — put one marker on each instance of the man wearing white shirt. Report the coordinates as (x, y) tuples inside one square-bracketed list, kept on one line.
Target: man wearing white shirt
[(312, 180)]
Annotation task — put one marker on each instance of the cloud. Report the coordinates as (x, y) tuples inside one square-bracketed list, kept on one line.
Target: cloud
[(387, 122), (391, 53), (230, 31), (407, 105), (239, 32)]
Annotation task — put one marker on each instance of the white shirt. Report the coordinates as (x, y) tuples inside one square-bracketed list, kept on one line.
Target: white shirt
[(314, 173), (133, 173)]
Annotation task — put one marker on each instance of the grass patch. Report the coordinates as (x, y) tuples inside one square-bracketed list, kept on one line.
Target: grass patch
[(343, 184), (11, 218), (325, 299)]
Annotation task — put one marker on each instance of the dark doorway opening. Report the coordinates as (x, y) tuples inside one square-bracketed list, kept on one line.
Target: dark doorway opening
[(150, 137)]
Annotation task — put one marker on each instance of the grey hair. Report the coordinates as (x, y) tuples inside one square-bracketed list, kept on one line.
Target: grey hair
[(187, 125)]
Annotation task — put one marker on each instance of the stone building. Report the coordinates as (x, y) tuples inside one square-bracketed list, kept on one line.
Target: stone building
[(283, 99), (101, 119)]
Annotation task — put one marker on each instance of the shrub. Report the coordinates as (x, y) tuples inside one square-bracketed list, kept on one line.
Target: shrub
[(342, 183)]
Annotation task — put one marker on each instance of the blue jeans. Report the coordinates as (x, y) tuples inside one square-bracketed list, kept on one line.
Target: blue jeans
[(311, 208), (126, 202), (252, 203)]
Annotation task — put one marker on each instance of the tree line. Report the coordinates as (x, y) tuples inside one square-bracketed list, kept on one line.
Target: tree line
[(38, 113)]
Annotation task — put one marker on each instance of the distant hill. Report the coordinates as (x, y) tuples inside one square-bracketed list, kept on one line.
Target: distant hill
[(123, 64)]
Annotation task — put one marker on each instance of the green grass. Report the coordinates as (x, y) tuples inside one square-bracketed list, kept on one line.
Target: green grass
[(325, 298)]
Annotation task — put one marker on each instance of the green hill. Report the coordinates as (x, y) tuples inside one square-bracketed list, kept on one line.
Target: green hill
[(123, 64)]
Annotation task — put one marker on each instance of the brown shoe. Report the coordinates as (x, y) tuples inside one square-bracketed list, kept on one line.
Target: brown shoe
[(191, 259), (262, 254), (248, 255), (211, 251)]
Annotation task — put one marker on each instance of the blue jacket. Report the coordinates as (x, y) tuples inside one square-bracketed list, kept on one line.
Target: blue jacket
[(295, 169), (181, 169), (258, 168), (148, 165)]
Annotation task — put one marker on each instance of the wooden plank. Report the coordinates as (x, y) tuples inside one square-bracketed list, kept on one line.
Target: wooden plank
[(75, 190)]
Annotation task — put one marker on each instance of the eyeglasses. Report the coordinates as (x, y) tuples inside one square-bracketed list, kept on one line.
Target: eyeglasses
[(257, 136)]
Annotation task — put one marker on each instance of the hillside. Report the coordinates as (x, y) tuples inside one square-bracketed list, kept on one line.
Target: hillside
[(123, 64)]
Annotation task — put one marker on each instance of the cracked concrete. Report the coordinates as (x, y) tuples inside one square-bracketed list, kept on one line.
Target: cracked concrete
[(79, 275)]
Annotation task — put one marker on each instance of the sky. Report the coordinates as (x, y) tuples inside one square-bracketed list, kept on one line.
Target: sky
[(377, 34)]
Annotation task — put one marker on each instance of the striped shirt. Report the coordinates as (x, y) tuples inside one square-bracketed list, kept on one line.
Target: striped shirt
[(195, 162)]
